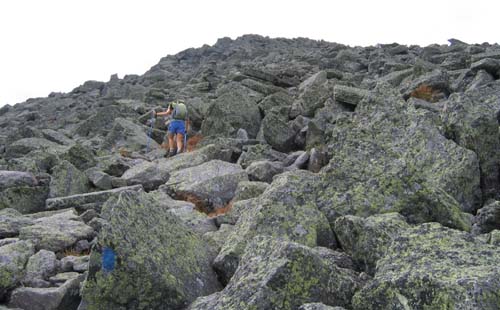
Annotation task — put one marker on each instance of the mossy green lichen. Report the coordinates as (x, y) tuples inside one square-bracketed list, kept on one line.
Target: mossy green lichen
[(159, 262)]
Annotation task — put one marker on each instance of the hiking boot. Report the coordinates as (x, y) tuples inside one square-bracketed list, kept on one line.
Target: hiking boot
[(170, 154)]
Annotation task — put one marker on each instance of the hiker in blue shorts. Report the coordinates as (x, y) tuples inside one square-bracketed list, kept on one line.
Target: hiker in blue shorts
[(177, 126)]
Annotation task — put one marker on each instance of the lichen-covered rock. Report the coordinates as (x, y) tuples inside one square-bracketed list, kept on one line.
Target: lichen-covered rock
[(276, 100), (38, 161), (13, 259), (349, 95), (11, 222), (259, 152), (434, 267), (278, 131), (314, 91), (277, 274), (233, 109), (64, 296), (101, 120), (67, 180), (80, 156), (24, 146), (16, 178), (367, 239), (99, 179), (56, 136), (159, 263), (23, 191), (264, 170), (281, 211), (249, 189), (209, 186), (57, 232), (392, 158), (129, 135), (471, 121), (234, 213), (40, 266), (487, 218), (153, 174)]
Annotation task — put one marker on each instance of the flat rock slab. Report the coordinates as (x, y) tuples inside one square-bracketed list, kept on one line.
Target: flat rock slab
[(57, 232), (87, 201), (53, 298), (209, 186)]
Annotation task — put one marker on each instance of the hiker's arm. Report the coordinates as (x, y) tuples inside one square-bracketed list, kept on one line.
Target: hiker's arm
[(164, 113)]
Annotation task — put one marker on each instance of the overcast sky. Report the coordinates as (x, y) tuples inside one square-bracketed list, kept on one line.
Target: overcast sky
[(56, 45)]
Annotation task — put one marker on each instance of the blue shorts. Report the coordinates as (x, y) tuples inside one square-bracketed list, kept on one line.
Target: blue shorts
[(176, 126)]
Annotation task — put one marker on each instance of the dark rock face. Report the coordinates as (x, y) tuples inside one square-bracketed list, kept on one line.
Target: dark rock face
[(311, 159)]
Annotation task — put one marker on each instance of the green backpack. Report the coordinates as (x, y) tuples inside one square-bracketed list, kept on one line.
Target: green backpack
[(180, 110)]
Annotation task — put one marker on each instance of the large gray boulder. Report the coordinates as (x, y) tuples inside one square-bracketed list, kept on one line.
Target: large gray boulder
[(471, 120), (16, 178), (367, 239), (276, 100), (40, 267), (278, 131), (80, 156), (24, 146), (159, 262), (264, 171), (23, 191), (432, 267), (249, 189), (62, 297), (102, 121), (186, 211), (153, 174), (277, 274), (318, 306), (13, 259), (282, 210), (209, 186), (349, 95), (67, 180), (57, 232), (128, 135), (259, 152), (233, 109), (11, 221), (390, 157), (314, 91)]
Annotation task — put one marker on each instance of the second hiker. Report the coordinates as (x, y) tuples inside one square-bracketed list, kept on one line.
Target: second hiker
[(177, 126)]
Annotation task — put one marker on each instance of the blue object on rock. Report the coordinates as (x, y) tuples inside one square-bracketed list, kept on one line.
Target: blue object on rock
[(108, 259)]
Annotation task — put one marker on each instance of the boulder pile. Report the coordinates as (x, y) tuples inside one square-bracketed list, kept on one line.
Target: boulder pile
[(318, 176)]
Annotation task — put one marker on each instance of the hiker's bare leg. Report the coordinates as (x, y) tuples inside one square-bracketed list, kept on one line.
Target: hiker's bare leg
[(171, 142), (180, 142)]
